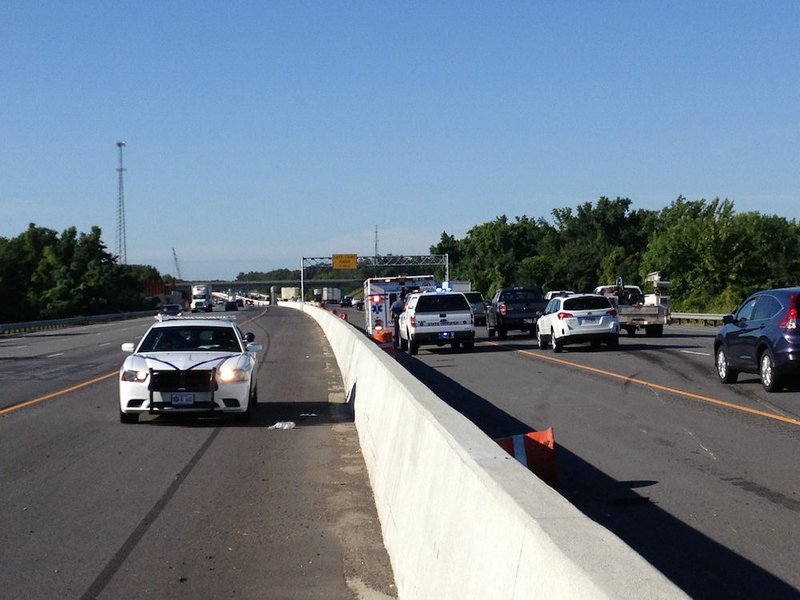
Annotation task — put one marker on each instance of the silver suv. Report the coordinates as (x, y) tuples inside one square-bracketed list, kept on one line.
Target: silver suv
[(437, 319)]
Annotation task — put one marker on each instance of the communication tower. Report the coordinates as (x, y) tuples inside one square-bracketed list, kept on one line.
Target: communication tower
[(122, 248)]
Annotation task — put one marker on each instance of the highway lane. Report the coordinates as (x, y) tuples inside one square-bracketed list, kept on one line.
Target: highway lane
[(702, 479), (182, 508)]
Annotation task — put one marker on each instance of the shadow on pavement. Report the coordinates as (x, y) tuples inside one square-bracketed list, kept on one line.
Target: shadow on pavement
[(697, 564)]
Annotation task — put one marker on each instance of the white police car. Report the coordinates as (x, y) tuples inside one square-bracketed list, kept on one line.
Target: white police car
[(437, 319), (189, 365)]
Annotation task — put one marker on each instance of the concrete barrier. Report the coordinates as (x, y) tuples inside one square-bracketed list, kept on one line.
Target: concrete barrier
[(460, 517)]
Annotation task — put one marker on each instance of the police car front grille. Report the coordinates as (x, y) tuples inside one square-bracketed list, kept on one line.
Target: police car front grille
[(182, 381)]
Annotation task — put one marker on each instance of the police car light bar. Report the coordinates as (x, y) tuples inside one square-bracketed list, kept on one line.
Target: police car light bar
[(162, 317)]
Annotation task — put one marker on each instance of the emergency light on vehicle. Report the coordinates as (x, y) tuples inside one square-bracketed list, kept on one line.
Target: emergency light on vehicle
[(376, 298)]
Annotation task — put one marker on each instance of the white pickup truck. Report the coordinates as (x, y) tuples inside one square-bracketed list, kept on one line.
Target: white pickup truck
[(637, 310)]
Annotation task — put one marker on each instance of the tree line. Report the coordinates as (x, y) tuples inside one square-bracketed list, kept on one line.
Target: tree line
[(47, 275), (712, 255)]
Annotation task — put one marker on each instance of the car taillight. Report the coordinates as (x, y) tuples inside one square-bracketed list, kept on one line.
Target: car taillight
[(790, 320), (502, 308), (612, 313), (413, 320), (565, 315)]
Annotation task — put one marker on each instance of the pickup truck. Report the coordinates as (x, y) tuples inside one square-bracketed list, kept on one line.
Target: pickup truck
[(516, 308), (637, 310)]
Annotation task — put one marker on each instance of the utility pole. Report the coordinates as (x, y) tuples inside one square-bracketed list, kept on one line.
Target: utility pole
[(376, 240), (122, 249)]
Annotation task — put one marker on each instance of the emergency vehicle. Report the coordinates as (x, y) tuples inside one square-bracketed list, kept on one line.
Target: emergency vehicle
[(381, 292)]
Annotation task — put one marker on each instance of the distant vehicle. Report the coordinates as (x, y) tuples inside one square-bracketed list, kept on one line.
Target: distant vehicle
[(358, 303), (201, 298), (381, 292), (194, 365), (231, 305), (638, 310), (514, 308), (578, 319), (347, 301), (761, 337), (331, 295), (555, 293), (478, 304), (171, 309), (436, 319)]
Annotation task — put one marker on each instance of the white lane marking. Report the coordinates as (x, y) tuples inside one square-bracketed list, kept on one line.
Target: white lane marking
[(105, 344), (694, 437), (54, 355), (697, 353)]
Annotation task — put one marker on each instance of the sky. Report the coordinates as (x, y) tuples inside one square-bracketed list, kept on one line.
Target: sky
[(259, 133)]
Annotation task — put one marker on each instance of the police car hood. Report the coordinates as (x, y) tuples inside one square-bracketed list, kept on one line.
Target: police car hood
[(183, 361)]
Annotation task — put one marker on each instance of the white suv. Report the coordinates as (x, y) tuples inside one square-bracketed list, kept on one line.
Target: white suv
[(436, 319), (578, 319)]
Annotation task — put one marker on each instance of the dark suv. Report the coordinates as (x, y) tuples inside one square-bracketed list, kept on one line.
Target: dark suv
[(514, 308), (761, 337)]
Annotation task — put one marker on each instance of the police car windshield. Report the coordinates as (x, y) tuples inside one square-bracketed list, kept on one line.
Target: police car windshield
[(195, 338)]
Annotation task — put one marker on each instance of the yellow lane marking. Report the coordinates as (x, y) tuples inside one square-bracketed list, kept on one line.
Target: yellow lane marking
[(58, 393), (663, 388)]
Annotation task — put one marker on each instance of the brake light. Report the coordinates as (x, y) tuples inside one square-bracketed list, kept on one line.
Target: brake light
[(502, 308), (612, 313), (376, 298), (790, 320), (565, 315), (413, 320)]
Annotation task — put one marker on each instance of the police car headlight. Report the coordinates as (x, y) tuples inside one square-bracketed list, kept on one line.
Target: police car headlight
[(232, 375), (132, 375)]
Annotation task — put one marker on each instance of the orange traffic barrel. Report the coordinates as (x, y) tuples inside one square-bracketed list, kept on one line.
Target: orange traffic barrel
[(383, 337), (536, 450)]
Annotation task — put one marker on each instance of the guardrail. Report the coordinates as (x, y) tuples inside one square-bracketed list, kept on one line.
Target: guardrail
[(704, 318), (71, 322)]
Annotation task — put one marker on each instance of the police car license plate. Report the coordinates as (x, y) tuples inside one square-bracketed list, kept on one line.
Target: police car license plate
[(182, 399), (589, 321)]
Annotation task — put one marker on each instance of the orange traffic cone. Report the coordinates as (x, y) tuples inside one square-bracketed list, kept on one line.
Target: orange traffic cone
[(536, 450)]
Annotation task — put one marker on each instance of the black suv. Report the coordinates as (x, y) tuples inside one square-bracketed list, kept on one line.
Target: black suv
[(514, 308), (761, 337)]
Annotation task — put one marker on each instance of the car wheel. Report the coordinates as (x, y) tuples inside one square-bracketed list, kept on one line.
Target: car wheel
[(654, 331), (557, 345), (455, 345), (726, 374), (469, 346), (542, 340), (613, 343), (502, 333), (128, 418), (413, 347), (631, 331), (766, 368)]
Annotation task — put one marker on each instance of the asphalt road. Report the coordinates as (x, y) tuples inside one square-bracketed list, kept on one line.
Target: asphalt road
[(700, 478), (199, 508)]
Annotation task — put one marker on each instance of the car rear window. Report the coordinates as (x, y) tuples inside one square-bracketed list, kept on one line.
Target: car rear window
[(474, 296), (442, 303), (522, 296), (587, 303)]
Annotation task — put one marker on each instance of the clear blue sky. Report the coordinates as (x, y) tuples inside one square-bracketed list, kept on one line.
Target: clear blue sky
[(261, 132)]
